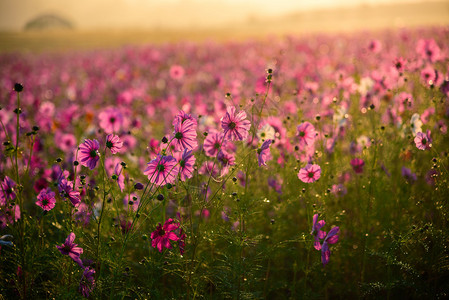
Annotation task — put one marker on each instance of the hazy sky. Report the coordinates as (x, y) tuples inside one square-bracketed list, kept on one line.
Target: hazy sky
[(95, 14)]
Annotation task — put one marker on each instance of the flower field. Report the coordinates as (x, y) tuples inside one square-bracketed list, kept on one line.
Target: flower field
[(284, 168)]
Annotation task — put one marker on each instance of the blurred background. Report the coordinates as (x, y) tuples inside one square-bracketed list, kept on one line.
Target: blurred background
[(54, 24)]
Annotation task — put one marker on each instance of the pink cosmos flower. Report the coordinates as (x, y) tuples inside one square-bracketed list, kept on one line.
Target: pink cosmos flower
[(186, 163), (429, 50), (263, 153), (46, 199), (185, 135), (357, 164), (317, 232), (88, 153), (310, 173), (81, 214), (162, 170), (131, 201), (235, 125), (423, 140), (209, 168), (114, 143), (111, 120), (306, 134), (331, 238), (69, 248), (66, 141), (182, 116), (213, 143), (163, 234), (177, 72)]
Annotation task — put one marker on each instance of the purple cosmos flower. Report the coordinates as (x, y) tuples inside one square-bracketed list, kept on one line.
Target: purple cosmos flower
[(114, 143), (235, 126), (162, 170), (408, 175), (423, 141), (69, 248), (7, 190), (309, 173), (185, 135), (186, 163), (163, 234), (331, 238), (88, 153), (81, 214), (66, 191), (46, 199), (87, 282), (317, 232), (213, 143), (306, 134), (357, 164), (263, 153)]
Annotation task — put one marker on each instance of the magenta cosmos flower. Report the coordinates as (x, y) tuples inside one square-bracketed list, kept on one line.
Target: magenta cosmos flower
[(186, 164), (7, 190), (185, 135), (423, 141), (67, 192), (87, 282), (163, 234), (263, 153), (213, 143), (235, 126), (331, 238), (317, 232), (70, 248), (111, 120), (162, 170), (46, 199), (306, 134), (114, 143), (310, 173), (88, 153), (357, 164)]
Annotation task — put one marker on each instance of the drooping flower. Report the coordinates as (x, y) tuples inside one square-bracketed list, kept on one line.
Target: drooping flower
[(88, 153), (310, 173), (67, 192), (235, 125), (263, 153), (46, 199), (114, 143), (162, 236), (317, 232), (185, 135), (331, 238), (119, 177), (70, 248), (306, 134), (357, 164), (186, 163), (162, 170), (423, 140), (87, 282)]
